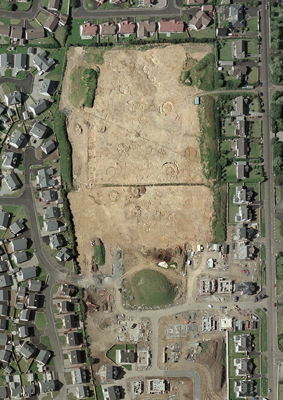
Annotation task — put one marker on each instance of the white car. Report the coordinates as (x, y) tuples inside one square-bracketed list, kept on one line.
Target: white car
[(210, 306)]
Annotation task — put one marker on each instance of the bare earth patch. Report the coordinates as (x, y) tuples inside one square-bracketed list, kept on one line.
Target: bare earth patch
[(136, 159)]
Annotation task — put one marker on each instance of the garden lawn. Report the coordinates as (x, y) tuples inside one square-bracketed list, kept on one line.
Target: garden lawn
[(40, 320)]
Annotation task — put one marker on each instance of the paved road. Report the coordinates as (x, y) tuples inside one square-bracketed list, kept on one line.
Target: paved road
[(24, 84)]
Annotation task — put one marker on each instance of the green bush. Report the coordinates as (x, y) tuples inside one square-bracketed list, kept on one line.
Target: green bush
[(99, 254), (89, 81)]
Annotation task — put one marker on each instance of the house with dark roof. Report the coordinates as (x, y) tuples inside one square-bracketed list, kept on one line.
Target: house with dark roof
[(51, 226), (28, 273), (48, 386), (111, 393), (13, 99), (244, 366), (65, 306), (73, 339), (15, 389), (23, 332), (4, 393), (63, 254), (6, 60), (52, 212), (69, 321), (48, 146), (43, 357), (49, 195), (55, 241), (16, 32), (35, 33), (39, 130), (170, 26), (6, 280), (44, 178), (4, 310), (4, 295), (3, 340), (39, 106), (53, 5), (235, 15), (5, 356), (25, 315), (42, 63), (4, 220), (21, 61), (248, 288), (10, 160), (3, 266), (244, 388), (78, 376), (17, 226), (88, 30), (20, 257), (51, 23), (125, 356), (17, 139), (19, 244), (35, 286), (68, 290), (29, 390), (27, 350), (82, 392), (243, 343), (3, 324), (33, 301), (21, 292), (145, 29), (75, 357), (47, 87)]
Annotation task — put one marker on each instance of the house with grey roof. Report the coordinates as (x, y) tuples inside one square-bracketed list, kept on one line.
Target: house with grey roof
[(5, 355), (244, 388), (21, 292), (19, 244), (238, 49), (3, 323), (52, 212), (69, 321), (6, 60), (29, 391), (15, 389), (2, 108), (4, 310), (4, 295), (12, 181), (13, 98), (49, 195), (23, 332), (10, 160), (47, 87), (39, 106), (33, 301), (73, 339), (75, 357), (78, 376), (9, 371), (34, 286), (17, 226), (82, 391), (4, 220), (44, 178), (27, 350), (53, 5), (244, 366), (21, 61), (55, 241), (43, 357), (3, 340), (63, 254), (65, 306), (20, 257), (48, 146), (42, 63), (25, 315), (235, 15), (51, 226), (26, 115), (48, 386), (3, 266), (17, 139), (3, 393), (6, 280), (11, 112), (5, 30), (51, 23), (28, 273), (16, 32), (39, 130)]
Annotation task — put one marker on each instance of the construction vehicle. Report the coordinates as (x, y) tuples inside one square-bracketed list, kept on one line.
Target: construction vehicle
[(88, 303), (236, 307)]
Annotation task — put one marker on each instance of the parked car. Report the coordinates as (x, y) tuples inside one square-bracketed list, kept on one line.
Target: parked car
[(210, 305), (261, 94), (275, 304), (266, 6), (264, 309), (236, 298), (223, 307), (260, 83)]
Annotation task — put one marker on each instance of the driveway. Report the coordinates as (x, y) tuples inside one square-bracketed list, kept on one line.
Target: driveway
[(25, 85)]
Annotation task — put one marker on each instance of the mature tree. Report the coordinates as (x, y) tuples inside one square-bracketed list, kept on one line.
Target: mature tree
[(278, 180)]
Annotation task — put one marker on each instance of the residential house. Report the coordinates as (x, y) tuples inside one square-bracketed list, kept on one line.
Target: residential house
[(111, 393), (51, 23), (16, 32), (244, 388), (200, 21), (2, 107), (27, 350), (26, 115), (39, 130), (243, 343), (17, 226), (238, 49), (240, 127), (48, 386), (35, 33), (68, 290), (4, 220), (240, 196), (82, 392), (3, 390), (6, 60), (235, 15), (88, 30), (63, 19), (63, 254), (12, 181), (145, 29), (48, 146), (49, 195), (69, 321), (190, 2), (42, 63), (10, 160), (107, 29), (33, 301), (243, 214), (65, 306), (39, 106), (5, 30), (3, 266), (47, 87), (16, 390), (29, 391), (20, 257), (28, 273), (3, 324), (17, 139), (21, 292), (35, 286), (25, 315), (44, 178), (55, 241), (126, 27), (108, 372), (240, 106), (53, 5), (6, 280), (3, 340), (125, 356), (170, 26), (4, 295), (78, 376), (19, 244), (13, 99), (52, 212), (23, 332), (241, 147), (21, 61), (73, 339), (4, 310), (246, 288), (5, 356), (75, 357), (43, 357), (51, 226)]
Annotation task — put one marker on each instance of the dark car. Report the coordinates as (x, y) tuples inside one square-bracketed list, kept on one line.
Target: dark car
[(236, 298), (262, 104), (264, 309), (261, 94), (260, 83), (133, 326)]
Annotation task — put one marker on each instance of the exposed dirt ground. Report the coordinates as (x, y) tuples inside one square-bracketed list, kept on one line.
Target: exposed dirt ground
[(143, 130)]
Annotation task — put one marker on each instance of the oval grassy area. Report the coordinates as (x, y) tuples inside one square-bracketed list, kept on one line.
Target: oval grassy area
[(152, 288)]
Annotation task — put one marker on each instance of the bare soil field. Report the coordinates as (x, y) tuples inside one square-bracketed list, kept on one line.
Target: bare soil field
[(136, 160)]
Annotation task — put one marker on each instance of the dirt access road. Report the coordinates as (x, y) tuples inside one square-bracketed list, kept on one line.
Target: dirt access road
[(142, 130)]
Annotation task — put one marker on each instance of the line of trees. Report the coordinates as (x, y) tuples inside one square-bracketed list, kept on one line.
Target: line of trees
[(277, 150)]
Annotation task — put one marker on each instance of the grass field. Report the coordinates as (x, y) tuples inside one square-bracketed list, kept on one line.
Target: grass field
[(277, 232), (263, 317), (264, 365), (46, 341), (152, 288), (277, 194), (59, 323), (40, 320), (225, 52)]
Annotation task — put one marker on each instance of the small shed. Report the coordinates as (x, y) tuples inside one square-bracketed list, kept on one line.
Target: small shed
[(196, 101)]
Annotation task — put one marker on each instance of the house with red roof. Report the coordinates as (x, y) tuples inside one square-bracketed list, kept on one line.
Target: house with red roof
[(170, 26), (126, 27), (88, 30)]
